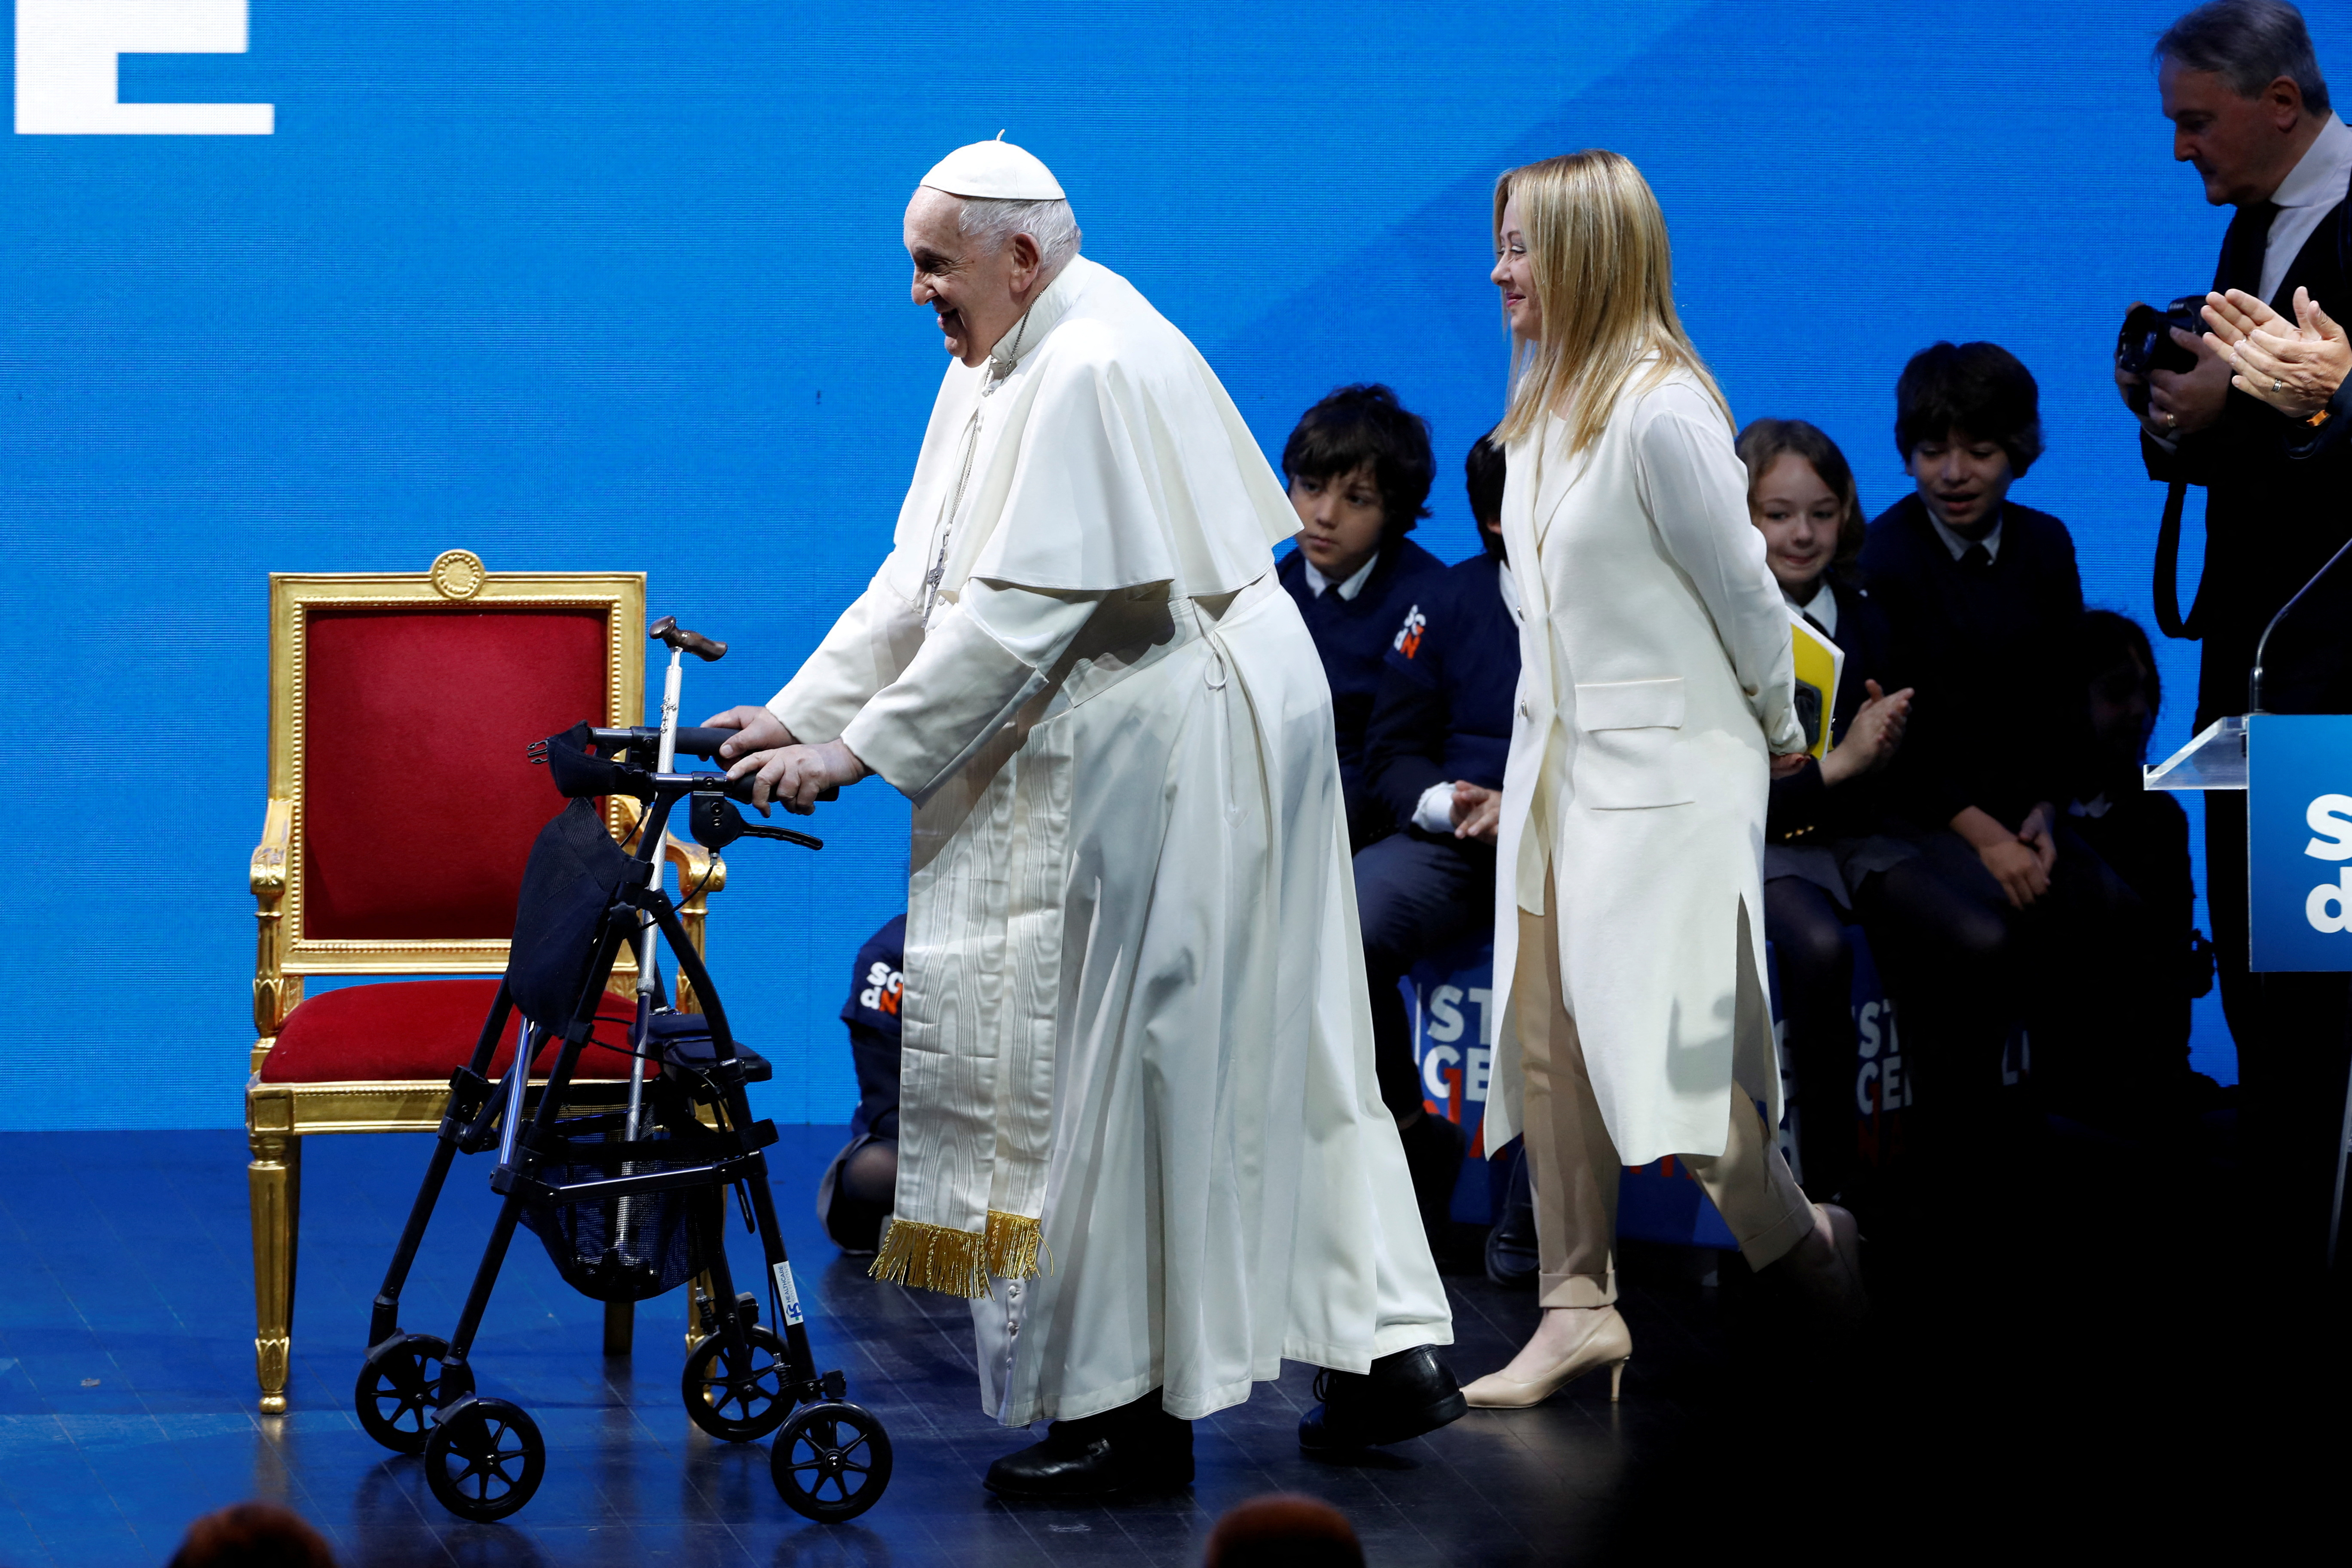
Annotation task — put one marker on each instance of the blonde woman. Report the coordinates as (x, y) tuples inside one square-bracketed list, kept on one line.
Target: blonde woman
[(1654, 692)]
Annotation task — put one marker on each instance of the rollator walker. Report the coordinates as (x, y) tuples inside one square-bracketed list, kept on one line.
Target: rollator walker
[(628, 1195)]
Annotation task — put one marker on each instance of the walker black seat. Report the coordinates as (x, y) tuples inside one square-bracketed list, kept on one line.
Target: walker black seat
[(688, 1050)]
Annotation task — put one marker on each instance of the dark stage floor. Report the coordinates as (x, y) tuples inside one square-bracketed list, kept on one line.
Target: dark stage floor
[(2096, 1386)]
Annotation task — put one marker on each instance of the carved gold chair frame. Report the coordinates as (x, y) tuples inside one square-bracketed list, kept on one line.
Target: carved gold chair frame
[(278, 1115)]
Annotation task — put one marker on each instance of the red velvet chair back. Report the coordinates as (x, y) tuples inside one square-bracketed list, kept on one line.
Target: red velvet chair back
[(401, 707), (419, 805)]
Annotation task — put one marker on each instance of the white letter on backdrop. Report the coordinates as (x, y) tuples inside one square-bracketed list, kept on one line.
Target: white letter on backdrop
[(2338, 893), (2330, 816), (66, 67)]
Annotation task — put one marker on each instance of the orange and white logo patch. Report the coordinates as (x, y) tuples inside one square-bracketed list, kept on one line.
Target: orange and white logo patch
[(883, 985), (1407, 641)]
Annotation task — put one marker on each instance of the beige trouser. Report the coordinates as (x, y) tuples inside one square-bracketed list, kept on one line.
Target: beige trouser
[(1573, 1165)]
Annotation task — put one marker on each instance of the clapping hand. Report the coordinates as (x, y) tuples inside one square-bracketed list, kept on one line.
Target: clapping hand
[(1872, 739), (2294, 366)]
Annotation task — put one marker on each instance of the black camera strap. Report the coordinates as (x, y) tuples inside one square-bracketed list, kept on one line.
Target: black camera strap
[(2168, 618)]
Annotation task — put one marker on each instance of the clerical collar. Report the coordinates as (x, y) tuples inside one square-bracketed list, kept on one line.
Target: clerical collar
[(1317, 582), (1958, 546), (1047, 310)]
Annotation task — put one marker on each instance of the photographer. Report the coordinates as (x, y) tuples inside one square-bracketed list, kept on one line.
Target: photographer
[(2243, 87)]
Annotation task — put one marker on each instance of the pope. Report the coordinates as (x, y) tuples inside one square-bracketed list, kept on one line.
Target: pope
[(1139, 1125)]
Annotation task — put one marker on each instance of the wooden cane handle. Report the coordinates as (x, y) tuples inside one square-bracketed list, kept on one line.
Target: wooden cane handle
[(667, 630)]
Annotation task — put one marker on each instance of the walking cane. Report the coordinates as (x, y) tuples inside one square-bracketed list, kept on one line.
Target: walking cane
[(680, 642)]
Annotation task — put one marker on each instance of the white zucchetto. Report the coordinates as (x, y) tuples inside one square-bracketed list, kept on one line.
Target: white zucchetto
[(994, 170)]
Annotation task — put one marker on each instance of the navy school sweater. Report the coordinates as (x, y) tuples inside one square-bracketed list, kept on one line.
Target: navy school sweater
[(1353, 636), (1447, 682)]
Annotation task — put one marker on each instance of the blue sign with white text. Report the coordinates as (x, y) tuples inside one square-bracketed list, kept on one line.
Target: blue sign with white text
[(2299, 832)]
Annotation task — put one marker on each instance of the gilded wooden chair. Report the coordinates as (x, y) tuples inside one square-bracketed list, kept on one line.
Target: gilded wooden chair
[(400, 812)]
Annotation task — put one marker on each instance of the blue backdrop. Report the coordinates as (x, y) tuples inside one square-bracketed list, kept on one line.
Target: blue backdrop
[(619, 287)]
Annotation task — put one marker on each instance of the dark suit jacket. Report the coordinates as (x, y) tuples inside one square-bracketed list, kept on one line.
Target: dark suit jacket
[(2273, 519), (1998, 720), (1801, 807)]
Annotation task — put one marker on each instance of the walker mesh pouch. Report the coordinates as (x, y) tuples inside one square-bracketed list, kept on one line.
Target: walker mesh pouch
[(620, 1249)]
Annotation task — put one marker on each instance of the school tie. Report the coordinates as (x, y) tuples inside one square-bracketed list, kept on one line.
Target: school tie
[(1976, 561), (2244, 247)]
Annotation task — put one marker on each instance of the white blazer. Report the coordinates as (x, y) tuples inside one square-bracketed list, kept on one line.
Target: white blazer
[(1655, 682)]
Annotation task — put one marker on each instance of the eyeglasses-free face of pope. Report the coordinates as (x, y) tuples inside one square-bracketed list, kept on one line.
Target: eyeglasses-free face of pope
[(978, 289)]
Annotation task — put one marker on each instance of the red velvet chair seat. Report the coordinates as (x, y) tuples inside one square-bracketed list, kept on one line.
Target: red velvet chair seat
[(420, 1029)]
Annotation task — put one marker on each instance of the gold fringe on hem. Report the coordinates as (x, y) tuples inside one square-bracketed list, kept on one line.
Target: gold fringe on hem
[(959, 1262)]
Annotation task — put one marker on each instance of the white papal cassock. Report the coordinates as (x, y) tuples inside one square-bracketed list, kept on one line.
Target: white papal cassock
[(1139, 1123)]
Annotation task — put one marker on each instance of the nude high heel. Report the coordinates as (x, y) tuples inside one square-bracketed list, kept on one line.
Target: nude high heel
[(1610, 1344)]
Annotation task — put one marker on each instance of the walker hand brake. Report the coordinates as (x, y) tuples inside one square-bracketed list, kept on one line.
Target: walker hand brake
[(715, 823), (754, 830)]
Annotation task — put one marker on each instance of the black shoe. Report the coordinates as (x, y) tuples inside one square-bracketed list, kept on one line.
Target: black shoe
[(1511, 1258), (1433, 1154), (1136, 1447), (1403, 1396)]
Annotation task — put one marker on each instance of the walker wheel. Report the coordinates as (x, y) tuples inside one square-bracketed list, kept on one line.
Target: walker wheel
[(831, 1462), (737, 1400), (402, 1382), (485, 1459)]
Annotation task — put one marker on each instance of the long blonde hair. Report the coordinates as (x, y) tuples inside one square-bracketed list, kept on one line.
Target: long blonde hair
[(1604, 284)]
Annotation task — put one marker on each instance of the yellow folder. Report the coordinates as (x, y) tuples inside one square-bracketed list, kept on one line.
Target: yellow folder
[(1819, 662)]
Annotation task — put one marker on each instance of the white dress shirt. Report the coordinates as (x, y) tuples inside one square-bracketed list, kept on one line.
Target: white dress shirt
[(1958, 546), (2310, 191), (1317, 582)]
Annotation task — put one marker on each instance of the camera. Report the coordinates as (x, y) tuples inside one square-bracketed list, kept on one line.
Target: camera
[(2146, 342)]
